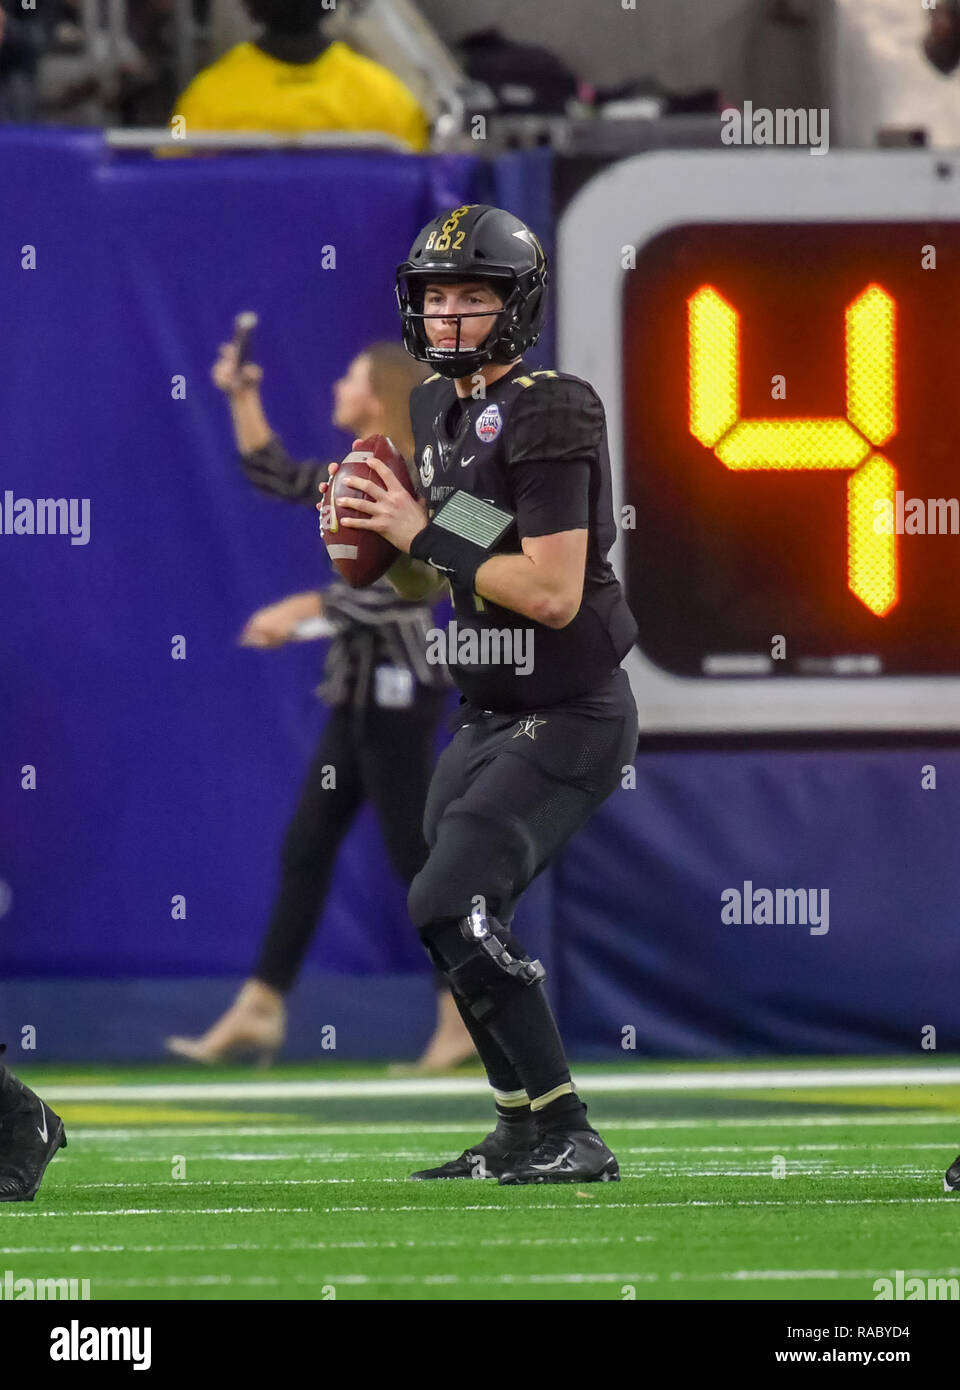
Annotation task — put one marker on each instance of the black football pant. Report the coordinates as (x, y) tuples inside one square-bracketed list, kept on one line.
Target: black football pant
[(508, 792), (380, 755)]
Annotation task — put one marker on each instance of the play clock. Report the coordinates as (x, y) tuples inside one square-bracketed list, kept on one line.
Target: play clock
[(774, 337)]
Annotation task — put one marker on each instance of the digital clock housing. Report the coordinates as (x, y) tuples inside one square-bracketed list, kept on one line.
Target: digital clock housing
[(774, 336)]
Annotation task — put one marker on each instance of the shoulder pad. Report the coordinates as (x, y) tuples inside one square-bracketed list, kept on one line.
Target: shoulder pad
[(527, 381)]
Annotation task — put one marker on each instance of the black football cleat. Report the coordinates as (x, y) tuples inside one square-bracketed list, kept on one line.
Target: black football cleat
[(30, 1135), (488, 1159), (951, 1179), (580, 1156)]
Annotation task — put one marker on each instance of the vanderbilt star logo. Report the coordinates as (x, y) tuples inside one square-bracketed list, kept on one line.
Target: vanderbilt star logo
[(529, 726)]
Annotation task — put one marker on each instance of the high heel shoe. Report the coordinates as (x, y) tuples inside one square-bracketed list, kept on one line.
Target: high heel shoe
[(450, 1045), (254, 1025)]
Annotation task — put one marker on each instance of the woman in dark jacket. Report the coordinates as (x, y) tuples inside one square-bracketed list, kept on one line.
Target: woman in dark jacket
[(386, 700)]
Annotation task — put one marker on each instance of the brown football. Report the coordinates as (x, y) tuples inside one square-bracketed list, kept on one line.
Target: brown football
[(359, 556)]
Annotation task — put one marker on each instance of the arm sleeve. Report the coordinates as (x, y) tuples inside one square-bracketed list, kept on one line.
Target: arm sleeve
[(554, 436), (272, 470)]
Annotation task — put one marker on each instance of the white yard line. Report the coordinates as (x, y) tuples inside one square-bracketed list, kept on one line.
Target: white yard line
[(677, 1171), (740, 1275), (408, 1280), (609, 1083), (300, 1247), (505, 1207), (164, 1211), (186, 1183)]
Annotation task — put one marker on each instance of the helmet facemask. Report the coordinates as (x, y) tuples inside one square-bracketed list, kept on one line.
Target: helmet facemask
[(459, 361)]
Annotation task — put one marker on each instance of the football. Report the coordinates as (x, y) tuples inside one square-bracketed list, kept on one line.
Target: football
[(361, 557)]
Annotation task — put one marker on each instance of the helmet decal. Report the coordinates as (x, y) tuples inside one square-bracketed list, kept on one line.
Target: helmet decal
[(448, 237)]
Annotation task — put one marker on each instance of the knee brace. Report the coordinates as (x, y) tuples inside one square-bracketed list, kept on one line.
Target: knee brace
[(483, 962)]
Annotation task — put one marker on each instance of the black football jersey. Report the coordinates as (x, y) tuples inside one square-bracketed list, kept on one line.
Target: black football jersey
[(529, 458)]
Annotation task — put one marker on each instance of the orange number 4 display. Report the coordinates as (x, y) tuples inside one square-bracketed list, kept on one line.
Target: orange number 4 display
[(714, 351)]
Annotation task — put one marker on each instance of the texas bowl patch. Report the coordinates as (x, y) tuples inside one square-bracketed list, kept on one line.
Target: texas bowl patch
[(489, 425)]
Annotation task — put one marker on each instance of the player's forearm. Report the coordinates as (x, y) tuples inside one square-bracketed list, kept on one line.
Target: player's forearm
[(414, 580), (518, 583), (250, 424), (307, 605)]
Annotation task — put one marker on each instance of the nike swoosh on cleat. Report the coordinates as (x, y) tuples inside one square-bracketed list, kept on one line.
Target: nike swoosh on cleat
[(43, 1132), (548, 1167)]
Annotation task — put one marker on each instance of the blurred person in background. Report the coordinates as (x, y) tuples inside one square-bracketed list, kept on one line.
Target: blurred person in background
[(386, 699), (19, 45), (942, 42), (292, 80), (148, 102), (85, 79)]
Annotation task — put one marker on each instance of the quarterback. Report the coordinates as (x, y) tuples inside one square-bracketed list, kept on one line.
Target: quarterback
[(516, 516)]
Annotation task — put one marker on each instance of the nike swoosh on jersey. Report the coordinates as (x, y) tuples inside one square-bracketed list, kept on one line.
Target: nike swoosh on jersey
[(464, 462)]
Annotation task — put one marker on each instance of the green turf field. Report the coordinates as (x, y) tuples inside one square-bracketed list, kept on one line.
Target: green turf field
[(186, 1184)]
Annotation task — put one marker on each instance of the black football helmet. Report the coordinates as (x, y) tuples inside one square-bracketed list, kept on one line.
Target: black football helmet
[(475, 242)]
